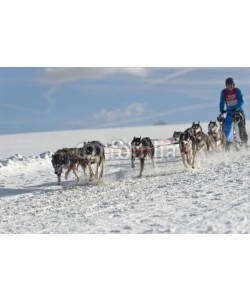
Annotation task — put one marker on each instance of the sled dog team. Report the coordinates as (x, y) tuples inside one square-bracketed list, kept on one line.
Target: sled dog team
[(94, 153), (192, 142)]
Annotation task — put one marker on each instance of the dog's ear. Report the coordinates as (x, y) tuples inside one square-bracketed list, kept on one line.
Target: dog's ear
[(199, 123)]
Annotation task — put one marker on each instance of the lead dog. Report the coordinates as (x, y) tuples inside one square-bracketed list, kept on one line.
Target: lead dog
[(187, 147), (67, 158), (94, 153), (216, 136), (142, 148)]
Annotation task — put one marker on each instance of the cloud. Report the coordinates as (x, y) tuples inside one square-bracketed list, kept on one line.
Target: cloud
[(49, 99), (133, 110), (157, 115), (62, 75), (172, 73)]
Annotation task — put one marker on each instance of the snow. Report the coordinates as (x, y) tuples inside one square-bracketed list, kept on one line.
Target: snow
[(213, 198)]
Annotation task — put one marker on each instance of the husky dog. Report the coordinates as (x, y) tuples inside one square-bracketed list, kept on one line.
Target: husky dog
[(94, 153), (187, 147), (216, 137), (67, 158), (201, 140), (176, 135), (142, 148)]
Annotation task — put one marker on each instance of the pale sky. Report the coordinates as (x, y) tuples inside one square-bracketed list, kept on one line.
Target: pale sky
[(48, 99)]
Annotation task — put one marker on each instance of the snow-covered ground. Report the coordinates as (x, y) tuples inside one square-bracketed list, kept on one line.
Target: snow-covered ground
[(214, 198)]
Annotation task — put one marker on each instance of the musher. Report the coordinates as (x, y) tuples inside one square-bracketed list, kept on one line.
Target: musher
[(232, 98)]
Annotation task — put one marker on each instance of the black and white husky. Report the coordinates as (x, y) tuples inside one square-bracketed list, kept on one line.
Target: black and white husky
[(142, 148), (176, 135), (67, 158), (94, 153), (187, 147), (201, 140), (217, 137)]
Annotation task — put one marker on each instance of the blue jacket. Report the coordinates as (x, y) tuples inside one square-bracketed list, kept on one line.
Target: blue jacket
[(237, 107)]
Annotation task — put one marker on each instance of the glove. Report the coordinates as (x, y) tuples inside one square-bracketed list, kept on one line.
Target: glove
[(220, 118), (223, 111)]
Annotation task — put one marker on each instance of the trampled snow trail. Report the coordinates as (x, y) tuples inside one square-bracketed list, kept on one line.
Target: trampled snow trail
[(214, 198)]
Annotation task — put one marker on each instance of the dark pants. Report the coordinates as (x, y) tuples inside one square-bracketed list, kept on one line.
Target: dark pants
[(242, 127), (228, 128)]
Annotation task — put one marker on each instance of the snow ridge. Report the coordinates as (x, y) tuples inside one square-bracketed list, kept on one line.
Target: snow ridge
[(21, 158)]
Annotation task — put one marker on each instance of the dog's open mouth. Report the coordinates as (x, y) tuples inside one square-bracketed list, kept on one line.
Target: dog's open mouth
[(184, 148), (212, 132)]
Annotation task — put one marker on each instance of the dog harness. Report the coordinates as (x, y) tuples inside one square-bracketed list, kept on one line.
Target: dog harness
[(231, 97)]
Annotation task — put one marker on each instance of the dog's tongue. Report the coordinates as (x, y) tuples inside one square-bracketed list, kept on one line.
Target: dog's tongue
[(183, 148)]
